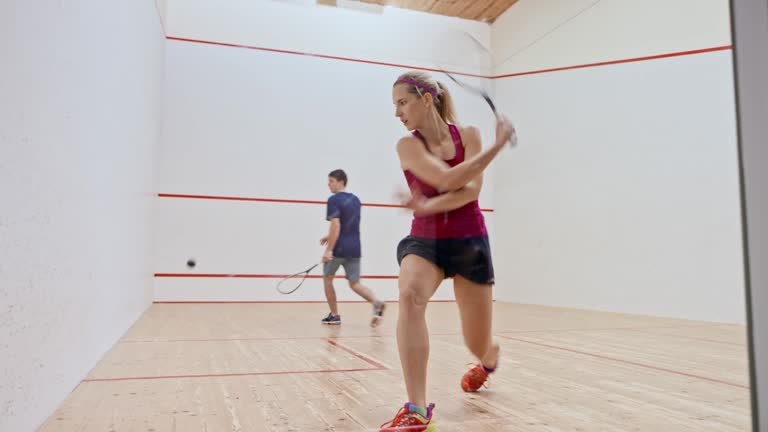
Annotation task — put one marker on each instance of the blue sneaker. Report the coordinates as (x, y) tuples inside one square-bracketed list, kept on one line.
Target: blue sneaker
[(331, 319)]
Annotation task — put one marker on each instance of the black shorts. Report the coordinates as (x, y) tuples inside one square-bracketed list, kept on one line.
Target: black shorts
[(468, 257)]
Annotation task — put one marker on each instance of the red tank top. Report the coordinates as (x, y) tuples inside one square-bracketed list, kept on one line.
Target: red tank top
[(466, 221)]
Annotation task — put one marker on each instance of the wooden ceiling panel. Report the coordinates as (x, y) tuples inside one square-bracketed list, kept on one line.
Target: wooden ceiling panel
[(479, 10), (448, 7), (420, 4), (476, 9), (497, 8)]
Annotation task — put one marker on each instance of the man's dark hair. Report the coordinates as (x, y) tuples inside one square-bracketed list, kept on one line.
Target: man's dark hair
[(339, 175)]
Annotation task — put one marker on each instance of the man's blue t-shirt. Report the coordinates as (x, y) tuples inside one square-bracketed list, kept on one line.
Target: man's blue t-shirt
[(346, 207)]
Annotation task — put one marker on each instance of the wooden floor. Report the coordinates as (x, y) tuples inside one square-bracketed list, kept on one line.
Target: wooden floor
[(274, 367)]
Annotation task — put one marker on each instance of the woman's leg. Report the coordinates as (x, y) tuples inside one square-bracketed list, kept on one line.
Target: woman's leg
[(419, 279), (475, 303)]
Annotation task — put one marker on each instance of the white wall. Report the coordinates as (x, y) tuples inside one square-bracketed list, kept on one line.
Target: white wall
[(623, 195), (534, 35), (79, 87), (262, 124), (392, 36), (162, 10)]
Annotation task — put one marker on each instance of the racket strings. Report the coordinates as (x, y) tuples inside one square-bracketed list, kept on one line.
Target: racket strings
[(291, 283)]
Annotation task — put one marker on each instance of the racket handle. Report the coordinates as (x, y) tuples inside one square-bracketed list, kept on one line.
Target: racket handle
[(513, 138)]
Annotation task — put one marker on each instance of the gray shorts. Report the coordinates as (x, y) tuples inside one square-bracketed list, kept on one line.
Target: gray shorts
[(351, 268)]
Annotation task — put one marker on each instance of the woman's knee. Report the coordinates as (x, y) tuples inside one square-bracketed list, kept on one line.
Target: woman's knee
[(414, 296), (418, 280)]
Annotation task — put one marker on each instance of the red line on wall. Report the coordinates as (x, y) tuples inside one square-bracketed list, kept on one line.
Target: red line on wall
[(231, 198), (275, 200), (613, 62), (323, 56), (558, 69)]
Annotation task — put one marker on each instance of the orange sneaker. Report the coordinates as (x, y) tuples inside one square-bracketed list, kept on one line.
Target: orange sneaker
[(475, 378), (411, 418)]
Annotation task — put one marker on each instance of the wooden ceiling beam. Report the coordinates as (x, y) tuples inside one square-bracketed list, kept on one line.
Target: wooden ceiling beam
[(478, 10)]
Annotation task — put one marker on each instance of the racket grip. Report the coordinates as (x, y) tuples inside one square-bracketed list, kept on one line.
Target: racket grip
[(513, 140)]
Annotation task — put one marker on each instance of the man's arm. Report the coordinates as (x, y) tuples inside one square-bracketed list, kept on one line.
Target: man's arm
[(332, 215), (333, 236)]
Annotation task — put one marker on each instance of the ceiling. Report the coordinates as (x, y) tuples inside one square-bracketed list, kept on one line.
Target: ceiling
[(478, 10)]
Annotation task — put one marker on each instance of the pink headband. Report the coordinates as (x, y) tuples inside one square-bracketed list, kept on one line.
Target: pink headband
[(419, 86)]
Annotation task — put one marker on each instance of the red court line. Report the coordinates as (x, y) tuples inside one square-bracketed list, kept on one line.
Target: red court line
[(587, 329), (273, 301), (376, 365), (629, 362), (323, 56), (500, 333), (688, 337), (614, 62), (643, 330), (277, 200), (743, 326), (256, 276), (159, 377), (255, 338), (259, 338), (232, 339), (368, 360)]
